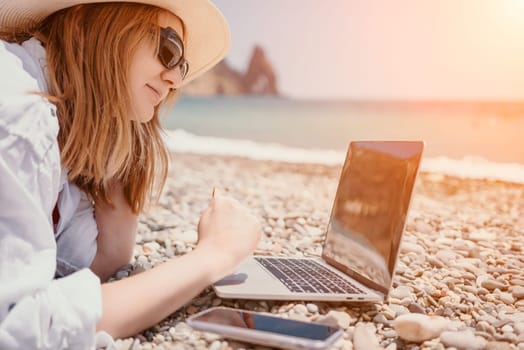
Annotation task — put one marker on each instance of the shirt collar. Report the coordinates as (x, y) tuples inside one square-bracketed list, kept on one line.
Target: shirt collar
[(36, 52)]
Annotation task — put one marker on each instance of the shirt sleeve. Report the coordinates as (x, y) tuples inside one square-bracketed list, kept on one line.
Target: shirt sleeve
[(39, 312), (36, 311), (76, 231)]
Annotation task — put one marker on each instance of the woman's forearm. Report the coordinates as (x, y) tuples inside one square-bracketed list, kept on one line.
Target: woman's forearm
[(133, 304), (117, 228), (227, 231)]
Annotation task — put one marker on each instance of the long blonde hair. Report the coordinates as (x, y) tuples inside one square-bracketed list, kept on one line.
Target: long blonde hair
[(89, 48)]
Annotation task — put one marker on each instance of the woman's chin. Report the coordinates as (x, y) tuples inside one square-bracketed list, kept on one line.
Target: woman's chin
[(144, 116)]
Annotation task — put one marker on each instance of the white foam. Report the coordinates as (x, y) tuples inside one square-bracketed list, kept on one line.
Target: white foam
[(182, 141), (468, 167), (475, 168)]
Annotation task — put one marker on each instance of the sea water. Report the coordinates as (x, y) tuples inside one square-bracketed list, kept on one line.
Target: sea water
[(473, 139)]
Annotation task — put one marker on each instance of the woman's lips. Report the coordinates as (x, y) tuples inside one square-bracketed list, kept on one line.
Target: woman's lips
[(156, 94)]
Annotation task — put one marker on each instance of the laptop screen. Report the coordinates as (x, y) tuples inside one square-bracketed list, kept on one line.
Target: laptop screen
[(370, 209)]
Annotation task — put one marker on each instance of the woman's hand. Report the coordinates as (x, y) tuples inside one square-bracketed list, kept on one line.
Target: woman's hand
[(228, 231), (227, 234)]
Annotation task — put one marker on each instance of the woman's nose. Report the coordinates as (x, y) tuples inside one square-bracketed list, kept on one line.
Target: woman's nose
[(172, 76)]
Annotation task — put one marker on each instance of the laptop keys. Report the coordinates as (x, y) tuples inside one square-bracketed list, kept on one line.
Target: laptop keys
[(307, 276)]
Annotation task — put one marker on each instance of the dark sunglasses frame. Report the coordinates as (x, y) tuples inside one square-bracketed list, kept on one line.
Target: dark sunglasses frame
[(171, 41)]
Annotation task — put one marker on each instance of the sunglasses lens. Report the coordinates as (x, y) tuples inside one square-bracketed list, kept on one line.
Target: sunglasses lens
[(166, 56), (171, 51)]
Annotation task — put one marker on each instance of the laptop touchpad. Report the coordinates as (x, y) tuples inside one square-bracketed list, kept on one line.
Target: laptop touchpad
[(236, 278)]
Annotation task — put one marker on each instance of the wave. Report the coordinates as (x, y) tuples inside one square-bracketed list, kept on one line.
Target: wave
[(467, 167)]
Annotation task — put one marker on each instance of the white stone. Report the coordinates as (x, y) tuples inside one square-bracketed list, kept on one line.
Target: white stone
[(336, 318), (267, 229), (517, 317), (412, 247), (313, 308), (498, 346), (399, 309), (519, 327), (314, 231), (482, 235), (418, 327), (507, 298), (401, 292), (189, 236), (489, 283), (446, 256), (364, 337), (215, 345), (518, 292), (424, 227), (300, 309), (463, 340)]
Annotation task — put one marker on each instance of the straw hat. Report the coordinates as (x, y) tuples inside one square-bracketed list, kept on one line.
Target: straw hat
[(206, 32)]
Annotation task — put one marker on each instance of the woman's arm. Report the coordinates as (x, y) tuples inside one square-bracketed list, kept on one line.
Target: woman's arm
[(227, 234), (116, 234)]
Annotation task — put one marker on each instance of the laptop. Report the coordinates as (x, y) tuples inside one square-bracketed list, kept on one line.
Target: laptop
[(362, 239)]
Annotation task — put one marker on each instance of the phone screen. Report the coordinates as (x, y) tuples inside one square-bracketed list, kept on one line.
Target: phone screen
[(277, 325)]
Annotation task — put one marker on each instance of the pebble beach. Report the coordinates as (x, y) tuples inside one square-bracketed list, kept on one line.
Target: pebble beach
[(459, 281)]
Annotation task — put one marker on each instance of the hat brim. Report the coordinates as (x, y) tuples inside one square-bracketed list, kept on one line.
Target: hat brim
[(206, 32)]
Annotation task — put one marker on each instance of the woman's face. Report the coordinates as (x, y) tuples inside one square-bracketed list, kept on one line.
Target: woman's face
[(149, 80)]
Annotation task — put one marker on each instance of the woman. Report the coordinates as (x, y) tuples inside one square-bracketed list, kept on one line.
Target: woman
[(80, 153)]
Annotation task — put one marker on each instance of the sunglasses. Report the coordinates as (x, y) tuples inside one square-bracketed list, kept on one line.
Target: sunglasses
[(171, 51)]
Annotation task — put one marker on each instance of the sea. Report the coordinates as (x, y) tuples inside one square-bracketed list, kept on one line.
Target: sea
[(483, 140)]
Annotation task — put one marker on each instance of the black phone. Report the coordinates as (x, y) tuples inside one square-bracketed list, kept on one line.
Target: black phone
[(265, 329)]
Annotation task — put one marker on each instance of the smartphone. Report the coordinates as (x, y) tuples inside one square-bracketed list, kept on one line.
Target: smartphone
[(265, 329)]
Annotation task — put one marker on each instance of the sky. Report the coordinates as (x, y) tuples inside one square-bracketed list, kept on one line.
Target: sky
[(381, 49)]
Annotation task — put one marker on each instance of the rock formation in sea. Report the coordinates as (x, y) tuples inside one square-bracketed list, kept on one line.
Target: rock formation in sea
[(258, 79)]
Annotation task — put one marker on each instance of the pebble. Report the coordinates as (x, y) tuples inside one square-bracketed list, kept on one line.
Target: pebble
[(300, 309), (491, 284), (416, 308), (380, 318), (388, 313), (518, 292), (401, 292), (462, 340), (189, 236), (423, 227), (448, 264), (418, 328), (392, 346), (364, 337), (215, 345), (482, 235), (519, 327), (390, 333), (496, 345), (312, 308), (122, 274), (399, 309), (413, 248), (336, 318), (507, 298)]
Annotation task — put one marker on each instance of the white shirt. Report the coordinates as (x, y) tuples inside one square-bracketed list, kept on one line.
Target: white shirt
[(36, 310)]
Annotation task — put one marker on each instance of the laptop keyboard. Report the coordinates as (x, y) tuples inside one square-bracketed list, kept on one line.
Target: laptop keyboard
[(307, 276)]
